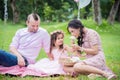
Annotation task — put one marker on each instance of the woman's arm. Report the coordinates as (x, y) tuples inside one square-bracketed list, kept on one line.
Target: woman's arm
[(68, 48), (93, 50)]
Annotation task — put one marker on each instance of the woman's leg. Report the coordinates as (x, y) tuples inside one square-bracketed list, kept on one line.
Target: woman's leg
[(68, 69), (83, 68)]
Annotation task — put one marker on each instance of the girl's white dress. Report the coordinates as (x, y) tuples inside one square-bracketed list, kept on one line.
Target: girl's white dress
[(50, 67)]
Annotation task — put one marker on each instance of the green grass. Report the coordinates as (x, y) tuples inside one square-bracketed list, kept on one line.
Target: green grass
[(110, 36)]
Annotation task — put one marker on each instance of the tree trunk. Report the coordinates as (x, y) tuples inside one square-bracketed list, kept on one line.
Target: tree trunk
[(2, 9), (97, 11), (15, 11), (118, 16), (113, 12)]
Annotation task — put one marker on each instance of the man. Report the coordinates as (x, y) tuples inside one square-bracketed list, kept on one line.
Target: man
[(26, 44)]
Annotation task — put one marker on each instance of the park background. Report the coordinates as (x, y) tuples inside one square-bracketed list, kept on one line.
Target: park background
[(100, 15)]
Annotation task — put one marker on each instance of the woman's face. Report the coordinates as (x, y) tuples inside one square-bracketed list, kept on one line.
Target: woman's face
[(74, 32), (59, 40)]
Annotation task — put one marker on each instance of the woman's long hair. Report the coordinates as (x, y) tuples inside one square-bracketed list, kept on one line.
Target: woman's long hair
[(54, 36), (76, 24)]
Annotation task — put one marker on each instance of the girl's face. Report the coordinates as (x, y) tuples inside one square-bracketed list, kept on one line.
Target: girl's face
[(74, 32), (59, 40)]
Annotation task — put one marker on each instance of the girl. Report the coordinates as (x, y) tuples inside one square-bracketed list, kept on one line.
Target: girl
[(89, 43), (52, 66)]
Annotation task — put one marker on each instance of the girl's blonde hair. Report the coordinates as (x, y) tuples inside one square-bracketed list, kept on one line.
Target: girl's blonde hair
[(54, 36)]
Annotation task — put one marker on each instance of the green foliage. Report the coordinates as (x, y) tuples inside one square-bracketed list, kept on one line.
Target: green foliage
[(59, 14), (48, 11), (106, 6), (54, 10)]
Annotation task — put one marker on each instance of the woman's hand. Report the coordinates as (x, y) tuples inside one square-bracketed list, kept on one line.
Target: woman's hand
[(93, 50), (75, 47), (68, 48)]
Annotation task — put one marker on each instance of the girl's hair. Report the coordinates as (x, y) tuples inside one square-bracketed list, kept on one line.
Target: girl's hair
[(54, 36), (76, 24)]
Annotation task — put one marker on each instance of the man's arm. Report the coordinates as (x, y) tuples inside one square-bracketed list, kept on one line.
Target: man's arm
[(13, 49), (46, 45), (20, 59)]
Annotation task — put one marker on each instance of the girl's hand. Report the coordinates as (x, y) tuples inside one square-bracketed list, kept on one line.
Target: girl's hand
[(68, 48), (50, 56), (75, 47)]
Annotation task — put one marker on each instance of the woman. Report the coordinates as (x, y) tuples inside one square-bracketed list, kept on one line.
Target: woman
[(89, 43)]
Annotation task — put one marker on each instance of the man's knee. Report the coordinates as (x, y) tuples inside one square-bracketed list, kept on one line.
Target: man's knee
[(7, 59), (2, 54)]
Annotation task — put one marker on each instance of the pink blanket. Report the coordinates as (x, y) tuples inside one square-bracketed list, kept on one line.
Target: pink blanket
[(20, 71)]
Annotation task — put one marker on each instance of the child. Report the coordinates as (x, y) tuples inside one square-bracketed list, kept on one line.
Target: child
[(57, 51)]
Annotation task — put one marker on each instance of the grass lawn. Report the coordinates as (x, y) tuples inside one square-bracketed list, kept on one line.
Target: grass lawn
[(110, 36)]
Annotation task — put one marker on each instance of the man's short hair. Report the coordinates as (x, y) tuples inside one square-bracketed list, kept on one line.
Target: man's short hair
[(35, 16)]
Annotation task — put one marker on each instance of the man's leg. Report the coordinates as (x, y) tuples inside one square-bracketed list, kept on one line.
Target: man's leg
[(7, 59)]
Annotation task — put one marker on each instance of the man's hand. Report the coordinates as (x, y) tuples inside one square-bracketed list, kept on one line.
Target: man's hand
[(21, 61)]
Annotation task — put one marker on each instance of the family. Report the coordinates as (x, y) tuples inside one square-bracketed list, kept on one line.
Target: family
[(27, 43)]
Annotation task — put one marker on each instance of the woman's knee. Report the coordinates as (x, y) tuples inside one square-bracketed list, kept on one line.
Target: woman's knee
[(78, 66), (65, 68)]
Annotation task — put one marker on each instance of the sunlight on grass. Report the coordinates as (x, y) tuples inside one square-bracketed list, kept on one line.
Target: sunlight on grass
[(110, 36)]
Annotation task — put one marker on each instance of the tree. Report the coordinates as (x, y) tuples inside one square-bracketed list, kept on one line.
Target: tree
[(5, 11), (105, 9), (97, 11), (57, 10), (14, 11), (2, 9), (113, 12), (48, 12), (119, 14)]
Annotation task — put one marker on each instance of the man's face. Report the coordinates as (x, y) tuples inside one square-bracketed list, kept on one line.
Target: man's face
[(33, 25)]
